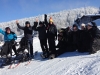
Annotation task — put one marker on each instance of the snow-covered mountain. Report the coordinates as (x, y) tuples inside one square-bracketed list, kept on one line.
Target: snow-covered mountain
[(62, 18)]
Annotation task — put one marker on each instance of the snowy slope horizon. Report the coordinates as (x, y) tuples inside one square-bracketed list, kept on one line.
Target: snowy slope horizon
[(61, 19)]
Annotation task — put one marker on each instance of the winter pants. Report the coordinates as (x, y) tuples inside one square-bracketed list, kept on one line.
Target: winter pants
[(43, 43), (30, 43), (51, 42)]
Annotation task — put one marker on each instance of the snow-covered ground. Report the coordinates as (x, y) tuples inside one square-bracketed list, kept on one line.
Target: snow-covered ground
[(71, 63)]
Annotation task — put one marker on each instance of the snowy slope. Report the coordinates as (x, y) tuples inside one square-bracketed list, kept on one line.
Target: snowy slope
[(71, 63)]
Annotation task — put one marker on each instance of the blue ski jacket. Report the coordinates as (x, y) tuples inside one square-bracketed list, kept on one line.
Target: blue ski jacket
[(8, 37)]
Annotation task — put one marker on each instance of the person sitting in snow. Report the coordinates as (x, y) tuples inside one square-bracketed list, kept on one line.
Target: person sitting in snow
[(91, 37), (62, 45), (9, 41), (83, 39)]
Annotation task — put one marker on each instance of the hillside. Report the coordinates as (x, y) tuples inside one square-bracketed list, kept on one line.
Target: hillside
[(61, 19)]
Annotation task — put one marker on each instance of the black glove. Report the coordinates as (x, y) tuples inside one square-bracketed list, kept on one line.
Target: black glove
[(45, 15)]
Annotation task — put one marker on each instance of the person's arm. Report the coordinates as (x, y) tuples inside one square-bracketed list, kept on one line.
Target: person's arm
[(15, 37), (45, 21), (2, 31), (55, 33), (20, 27)]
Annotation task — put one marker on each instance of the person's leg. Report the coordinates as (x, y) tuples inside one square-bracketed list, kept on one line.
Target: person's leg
[(14, 49), (42, 45), (31, 47), (50, 45), (53, 50), (45, 44)]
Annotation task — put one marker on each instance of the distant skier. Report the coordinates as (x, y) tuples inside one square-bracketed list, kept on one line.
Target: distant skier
[(9, 38), (42, 37), (28, 34), (51, 35)]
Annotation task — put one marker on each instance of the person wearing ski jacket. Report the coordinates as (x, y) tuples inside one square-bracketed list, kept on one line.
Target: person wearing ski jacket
[(51, 35), (91, 36), (28, 34), (75, 37), (42, 36), (83, 39), (9, 38)]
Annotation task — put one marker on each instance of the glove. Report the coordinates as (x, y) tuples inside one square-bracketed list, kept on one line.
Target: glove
[(45, 16)]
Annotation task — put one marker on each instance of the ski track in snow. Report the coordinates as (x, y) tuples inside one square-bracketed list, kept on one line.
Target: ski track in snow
[(71, 63)]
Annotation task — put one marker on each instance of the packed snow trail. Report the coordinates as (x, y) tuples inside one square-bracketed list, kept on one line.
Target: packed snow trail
[(71, 63)]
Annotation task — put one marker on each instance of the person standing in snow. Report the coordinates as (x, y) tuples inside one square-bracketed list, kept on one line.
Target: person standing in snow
[(28, 34), (42, 37), (83, 40), (91, 36), (75, 37), (51, 35), (9, 38)]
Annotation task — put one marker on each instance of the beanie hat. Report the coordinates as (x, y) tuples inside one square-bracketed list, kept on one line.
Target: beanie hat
[(74, 25), (27, 22), (7, 28), (90, 24), (40, 23), (50, 20), (83, 24)]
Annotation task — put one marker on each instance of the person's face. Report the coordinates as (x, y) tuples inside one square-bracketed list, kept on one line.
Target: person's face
[(74, 28), (82, 27), (8, 31), (27, 25), (89, 27)]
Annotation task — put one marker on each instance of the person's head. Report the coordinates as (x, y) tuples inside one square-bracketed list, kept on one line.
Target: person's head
[(51, 20), (8, 30), (27, 23), (75, 27), (41, 24), (89, 26), (83, 26)]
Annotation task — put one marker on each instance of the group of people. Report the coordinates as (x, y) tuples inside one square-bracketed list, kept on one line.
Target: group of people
[(69, 39), (78, 39)]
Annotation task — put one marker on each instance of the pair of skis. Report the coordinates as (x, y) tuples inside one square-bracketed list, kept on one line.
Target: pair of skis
[(16, 65)]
